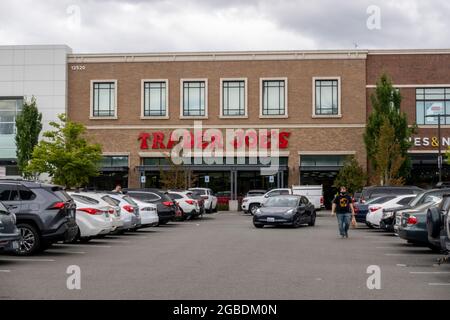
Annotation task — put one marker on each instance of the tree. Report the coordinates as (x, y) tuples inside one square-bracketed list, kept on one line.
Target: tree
[(388, 157), (351, 176), (386, 103), (177, 177), (66, 155), (29, 126)]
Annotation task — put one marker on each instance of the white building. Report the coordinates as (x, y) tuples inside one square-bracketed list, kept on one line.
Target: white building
[(26, 71)]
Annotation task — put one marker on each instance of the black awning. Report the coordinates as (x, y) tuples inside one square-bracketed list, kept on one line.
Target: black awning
[(114, 169), (244, 167)]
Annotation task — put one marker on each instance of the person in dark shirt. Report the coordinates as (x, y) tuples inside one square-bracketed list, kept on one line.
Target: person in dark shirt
[(343, 208)]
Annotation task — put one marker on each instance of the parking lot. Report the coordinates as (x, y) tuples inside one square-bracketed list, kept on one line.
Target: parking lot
[(223, 256)]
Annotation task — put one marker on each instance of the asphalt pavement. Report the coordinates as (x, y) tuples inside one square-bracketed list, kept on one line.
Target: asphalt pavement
[(222, 256)]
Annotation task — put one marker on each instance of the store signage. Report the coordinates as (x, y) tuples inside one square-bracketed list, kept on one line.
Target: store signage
[(262, 140), (206, 179), (430, 141)]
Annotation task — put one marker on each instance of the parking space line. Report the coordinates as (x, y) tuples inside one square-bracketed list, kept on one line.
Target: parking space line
[(429, 272), (119, 241), (84, 245), (62, 251), (27, 259), (439, 284), (397, 254), (5, 271)]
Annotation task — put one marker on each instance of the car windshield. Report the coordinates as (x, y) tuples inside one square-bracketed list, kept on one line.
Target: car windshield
[(111, 201), (129, 200), (281, 202), (382, 199), (199, 191), (3, 209), (83, 199), (370, 201), (426, 197)]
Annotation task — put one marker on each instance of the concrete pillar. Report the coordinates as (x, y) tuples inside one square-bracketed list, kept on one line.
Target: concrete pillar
[(133, 173), (294, 164)]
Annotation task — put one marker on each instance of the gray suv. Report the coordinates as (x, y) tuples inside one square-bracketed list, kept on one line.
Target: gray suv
[(45, 213)]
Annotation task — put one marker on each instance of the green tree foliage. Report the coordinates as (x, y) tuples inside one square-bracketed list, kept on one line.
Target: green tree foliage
[(388, 157), (28, 128), (66, 155), (351, 176), (386, 104)]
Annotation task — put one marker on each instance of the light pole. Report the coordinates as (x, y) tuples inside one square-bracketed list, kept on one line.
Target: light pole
[(439, 141)]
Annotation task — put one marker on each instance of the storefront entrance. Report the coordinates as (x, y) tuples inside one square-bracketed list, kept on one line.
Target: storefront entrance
[(425, 172)]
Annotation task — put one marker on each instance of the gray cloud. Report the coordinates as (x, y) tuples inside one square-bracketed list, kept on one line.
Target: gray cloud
[(198, 25)]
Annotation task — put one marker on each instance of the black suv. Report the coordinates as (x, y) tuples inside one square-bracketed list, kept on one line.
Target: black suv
[(166, 207), (45, 213)]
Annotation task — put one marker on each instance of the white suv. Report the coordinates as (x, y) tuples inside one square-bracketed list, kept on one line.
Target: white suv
[(208, 195)]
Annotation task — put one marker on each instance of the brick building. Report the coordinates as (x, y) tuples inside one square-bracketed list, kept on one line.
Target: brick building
[(319, 99)]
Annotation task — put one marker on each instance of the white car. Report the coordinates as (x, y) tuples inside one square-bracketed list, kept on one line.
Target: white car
[(208, 195), (148, 213), (251, 204), (117, 221), (185, 201), (375, 213), (129, 210), (93, 217)]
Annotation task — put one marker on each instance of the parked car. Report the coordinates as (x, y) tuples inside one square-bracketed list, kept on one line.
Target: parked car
[(251, 204), (375, 213), (378, 191), (223, 197), (166, 208), (129, 211), (256, 192), (357, 197), (93, 217), (187, 203), (314, 193), (208, 195), (148, 214), (200, 201), (391, 218), (413, 226), (45, 213), (285, 210), (361, 209), (9, 234), (435, 221), (115, 214), (447, 230)]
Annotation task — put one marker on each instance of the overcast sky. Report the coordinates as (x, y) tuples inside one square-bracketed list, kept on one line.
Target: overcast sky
[(207, 25)]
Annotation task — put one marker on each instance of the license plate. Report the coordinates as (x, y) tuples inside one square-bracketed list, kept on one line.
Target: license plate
[(270, 219)]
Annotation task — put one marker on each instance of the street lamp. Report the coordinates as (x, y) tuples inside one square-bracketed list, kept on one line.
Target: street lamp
[(439, 141)]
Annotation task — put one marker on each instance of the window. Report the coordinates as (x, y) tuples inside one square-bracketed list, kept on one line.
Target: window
[(155, 98), (114, 161), (326, 97), (9, 109), (233, 97), (104, 96), (432, 101), (273, 98), (194, 101), (26, 195)]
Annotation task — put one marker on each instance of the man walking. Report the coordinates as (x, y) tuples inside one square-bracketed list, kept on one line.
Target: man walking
[(343, 208)]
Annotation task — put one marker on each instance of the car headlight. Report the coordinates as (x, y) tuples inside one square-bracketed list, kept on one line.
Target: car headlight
[(289, 212), (258, 211), (244, 200)]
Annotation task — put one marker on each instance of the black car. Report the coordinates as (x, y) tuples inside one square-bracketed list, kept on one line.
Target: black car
[(435, 224), (379, 191), (166, 207), (45, 213), (9, 234), (291, 210)]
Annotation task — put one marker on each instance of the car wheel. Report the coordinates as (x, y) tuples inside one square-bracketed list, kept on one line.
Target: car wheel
[(85, 240), (252, 208), (297, 221), (434, 248), (30, 241), (312, 222), (259, 226), (77, 237)]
